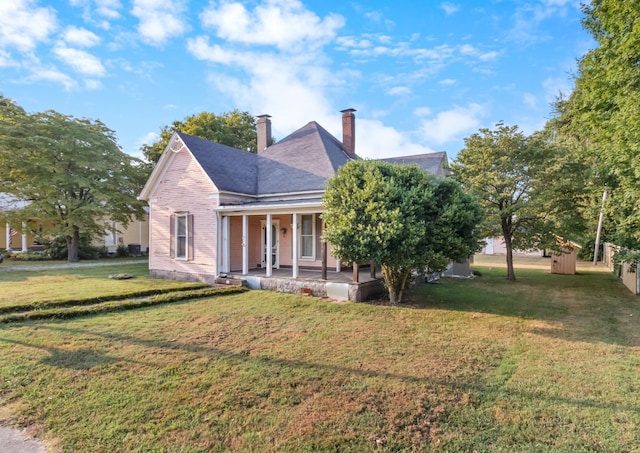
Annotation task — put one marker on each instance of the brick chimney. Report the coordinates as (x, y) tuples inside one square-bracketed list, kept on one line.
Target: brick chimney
[(349, 132), (264, 132)]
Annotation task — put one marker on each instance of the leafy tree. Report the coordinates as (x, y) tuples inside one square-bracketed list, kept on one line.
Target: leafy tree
[(400, 217), (601, 118), (70, 171), (234, 128), (526, 185)]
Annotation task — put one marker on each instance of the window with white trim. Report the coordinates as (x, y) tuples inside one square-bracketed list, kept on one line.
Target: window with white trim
[(307, 235)]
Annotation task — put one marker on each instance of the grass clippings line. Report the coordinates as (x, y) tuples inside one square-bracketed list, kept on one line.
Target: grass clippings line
[(118, 305), (40, 305)]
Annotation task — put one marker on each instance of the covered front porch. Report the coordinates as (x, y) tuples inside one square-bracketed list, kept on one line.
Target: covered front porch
[(279, 246), (338, 285)]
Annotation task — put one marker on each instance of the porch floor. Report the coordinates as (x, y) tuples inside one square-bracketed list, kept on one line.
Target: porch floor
[(346, 276)]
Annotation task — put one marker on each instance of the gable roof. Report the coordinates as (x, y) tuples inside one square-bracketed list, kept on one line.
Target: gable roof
[(234, 170), (301, 162), (434, 163), (230, 169), (312, 149)]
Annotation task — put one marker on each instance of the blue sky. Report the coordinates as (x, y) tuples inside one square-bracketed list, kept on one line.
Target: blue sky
[(422, 75)]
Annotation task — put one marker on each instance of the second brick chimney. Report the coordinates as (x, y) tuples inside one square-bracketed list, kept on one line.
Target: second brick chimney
[(349, 132), (263, 126)]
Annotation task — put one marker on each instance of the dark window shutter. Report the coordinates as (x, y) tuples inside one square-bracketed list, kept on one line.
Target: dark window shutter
[(190, 249), (172, 236)]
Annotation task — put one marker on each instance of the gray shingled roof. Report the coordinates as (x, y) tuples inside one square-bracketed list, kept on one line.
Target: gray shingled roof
[(234, 170), (303, 161), (434, 163), (230, 169), (312, 149)]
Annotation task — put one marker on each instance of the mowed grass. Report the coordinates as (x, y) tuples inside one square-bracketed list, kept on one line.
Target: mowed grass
[(548, 363), (34, 286)]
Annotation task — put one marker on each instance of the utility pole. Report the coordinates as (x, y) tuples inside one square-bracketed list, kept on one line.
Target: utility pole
[(597, 247)]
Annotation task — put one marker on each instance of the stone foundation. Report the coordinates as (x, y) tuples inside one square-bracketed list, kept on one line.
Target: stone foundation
[(184, 276), (356, 292), (289, 285)]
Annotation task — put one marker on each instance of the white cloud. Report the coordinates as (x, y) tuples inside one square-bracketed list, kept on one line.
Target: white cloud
[(293, 81), (52, 75), (108, 8), (81, 61), (23, 24), (349, 42), (378, 18), (285, 24), (447, 82), (469, 50), (7, 61), (160, 20), (92, 84), (450, 8), (452, 124), (528, 18), (288, 87), (399, 91), (147, 139), (374, 49), (80, 37), (375, 140), (422, 111), (99, 12), (530, 100)]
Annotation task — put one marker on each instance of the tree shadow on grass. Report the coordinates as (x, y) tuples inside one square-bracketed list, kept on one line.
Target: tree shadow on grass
[(12, 277), (454, 385), (73, 359), (589, 307)]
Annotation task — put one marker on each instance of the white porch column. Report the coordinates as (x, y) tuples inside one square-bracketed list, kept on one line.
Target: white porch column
[(226, 258), (24, 237), (269, 245), (7, 236), (245, 244), (337, 265), (294, 246)]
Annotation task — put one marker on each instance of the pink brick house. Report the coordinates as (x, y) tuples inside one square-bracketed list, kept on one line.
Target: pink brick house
[(219, 211)]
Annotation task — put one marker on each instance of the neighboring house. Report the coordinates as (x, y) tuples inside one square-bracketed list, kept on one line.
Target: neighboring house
[(434, 163), (218, 211), (20, 237), (496, 246), (135, 237), (17, 236), (628, 272)]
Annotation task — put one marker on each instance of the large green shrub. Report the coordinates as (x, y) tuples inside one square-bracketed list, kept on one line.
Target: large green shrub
[(57, 248)]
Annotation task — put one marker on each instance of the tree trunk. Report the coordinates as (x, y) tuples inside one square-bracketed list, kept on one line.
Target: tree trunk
[(396, 281), (73, 244), (506, 232)]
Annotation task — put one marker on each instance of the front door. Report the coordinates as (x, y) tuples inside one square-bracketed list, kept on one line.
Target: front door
[(274, 253)]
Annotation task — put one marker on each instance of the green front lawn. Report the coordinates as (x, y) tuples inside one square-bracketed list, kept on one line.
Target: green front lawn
[(36, 286), (549, 363)]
